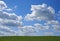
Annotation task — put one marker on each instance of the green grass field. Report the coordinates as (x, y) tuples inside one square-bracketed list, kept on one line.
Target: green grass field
[(30, 38)]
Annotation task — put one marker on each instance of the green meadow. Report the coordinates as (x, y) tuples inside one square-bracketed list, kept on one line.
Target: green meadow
[(29, 38)]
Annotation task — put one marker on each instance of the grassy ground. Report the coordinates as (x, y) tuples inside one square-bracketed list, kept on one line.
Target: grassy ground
[(30, 38)]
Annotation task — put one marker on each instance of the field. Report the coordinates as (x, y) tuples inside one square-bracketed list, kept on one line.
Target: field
[(30, 38)]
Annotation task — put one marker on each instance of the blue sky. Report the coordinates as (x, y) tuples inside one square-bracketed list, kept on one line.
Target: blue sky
[(30, 17), (23, 7)]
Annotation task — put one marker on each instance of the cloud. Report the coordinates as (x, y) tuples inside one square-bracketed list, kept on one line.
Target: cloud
[(41, 12), (2, 5), (27, 30), (11, 23), (41, 27), (47, 14), (49, 33), (8, 9), (8, 20), (11, 16), (6, 31), (54, 24), (32, 30), (57, 28)]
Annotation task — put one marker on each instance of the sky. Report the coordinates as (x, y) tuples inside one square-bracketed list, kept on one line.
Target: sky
[(30, 18)]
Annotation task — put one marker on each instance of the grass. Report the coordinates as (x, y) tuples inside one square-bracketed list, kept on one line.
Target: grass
[(30, 38)]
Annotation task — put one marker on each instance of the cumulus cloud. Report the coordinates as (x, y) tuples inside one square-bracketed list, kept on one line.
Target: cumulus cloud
[(44, 13), (8, 20), (56, 27), (11, 16), (54, 24), (12, 23), (27, 30), (47, 14), (5, 30), (41, 12), (41, 27), (33, 30), (2, 5)]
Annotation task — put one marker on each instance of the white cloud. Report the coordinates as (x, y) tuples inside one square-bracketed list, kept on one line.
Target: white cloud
[(27, 30), (32, 30), (2, 5), (12, 23), (49, 33), (8, 20), (5, 31), (47, 14), (8, 9), (57, 28), (54, 24), (41, 27), (41, 12), (11, 16)]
